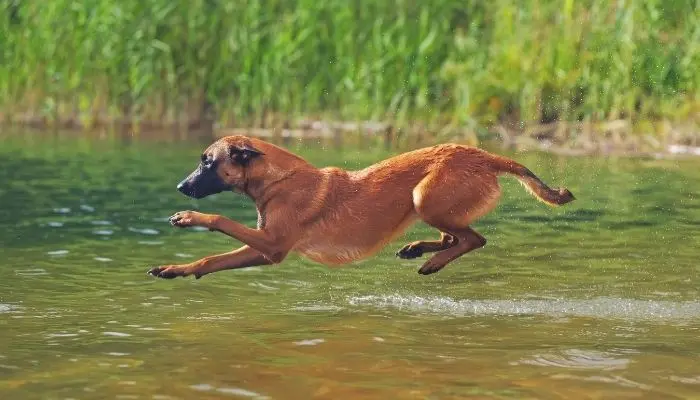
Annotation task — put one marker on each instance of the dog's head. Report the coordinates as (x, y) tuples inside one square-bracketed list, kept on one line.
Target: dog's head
[(225, 165)]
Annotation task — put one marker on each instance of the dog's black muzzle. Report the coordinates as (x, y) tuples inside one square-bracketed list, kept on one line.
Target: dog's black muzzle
[(201, 183)]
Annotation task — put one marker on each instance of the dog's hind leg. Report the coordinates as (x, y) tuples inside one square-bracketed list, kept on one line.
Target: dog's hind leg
[(467, 240), (451, 202), (420, 247)]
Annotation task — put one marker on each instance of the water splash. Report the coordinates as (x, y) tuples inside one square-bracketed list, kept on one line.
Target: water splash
[(603, 307), (577, 359), (5, 308)]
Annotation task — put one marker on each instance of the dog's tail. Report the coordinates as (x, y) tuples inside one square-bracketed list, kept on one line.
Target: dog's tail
[(533, 184)]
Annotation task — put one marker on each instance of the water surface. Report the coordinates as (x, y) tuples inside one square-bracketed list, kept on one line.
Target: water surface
[(598, 299)]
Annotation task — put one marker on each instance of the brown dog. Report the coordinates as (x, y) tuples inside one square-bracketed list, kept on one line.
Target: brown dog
[(334, 216)]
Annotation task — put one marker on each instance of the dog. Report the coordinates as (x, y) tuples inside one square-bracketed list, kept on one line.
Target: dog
[(333, 216)]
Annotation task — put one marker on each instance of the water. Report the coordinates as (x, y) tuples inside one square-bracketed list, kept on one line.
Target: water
[(598, 299)]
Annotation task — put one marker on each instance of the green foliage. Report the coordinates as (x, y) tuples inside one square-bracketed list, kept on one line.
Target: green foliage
[(458, 61)]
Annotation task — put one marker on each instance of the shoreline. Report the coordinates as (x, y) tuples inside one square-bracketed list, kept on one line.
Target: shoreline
[(607, 138)]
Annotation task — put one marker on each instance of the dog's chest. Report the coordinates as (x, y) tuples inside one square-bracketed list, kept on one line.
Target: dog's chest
[(328, 253)]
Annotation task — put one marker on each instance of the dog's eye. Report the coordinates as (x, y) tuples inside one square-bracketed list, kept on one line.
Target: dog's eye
[(206, 161)]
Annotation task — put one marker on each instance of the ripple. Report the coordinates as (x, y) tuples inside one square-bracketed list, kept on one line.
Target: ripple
[(212, 317), (60, 335), (54, 224), (87, 208), (31, 272), (117, 334), (614, 308), (262, 286), (61, 210), (317, 307), (57, 252), (617, 380), (144, 231), (687, 380), (577, 359), (205, 387), (103, 232), (102, 259), (151, 329), (101, 222), (151, 242), (309, 342)]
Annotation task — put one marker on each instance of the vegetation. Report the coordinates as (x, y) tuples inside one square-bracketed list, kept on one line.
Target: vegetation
[(459, 62)]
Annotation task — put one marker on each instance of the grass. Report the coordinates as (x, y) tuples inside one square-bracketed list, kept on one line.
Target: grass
[(443, 62)]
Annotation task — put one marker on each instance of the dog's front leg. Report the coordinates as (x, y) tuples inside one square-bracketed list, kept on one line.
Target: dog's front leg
[(239, 258), (273, 244)]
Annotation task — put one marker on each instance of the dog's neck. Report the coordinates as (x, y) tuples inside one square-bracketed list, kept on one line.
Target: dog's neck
[(262, 188)]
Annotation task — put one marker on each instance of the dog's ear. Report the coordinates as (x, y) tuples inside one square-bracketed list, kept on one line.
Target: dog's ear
[(243, 153)]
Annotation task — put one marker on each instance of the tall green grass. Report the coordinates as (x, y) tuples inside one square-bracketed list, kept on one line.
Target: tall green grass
[(463, 62)]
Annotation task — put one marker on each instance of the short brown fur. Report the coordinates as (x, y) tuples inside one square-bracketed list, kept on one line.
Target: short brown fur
[(334, 216)]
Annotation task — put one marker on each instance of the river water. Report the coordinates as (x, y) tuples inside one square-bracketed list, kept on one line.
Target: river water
[(597, 299)]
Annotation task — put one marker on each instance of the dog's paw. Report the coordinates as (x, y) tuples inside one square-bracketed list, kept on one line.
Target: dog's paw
[(168, 271), (183, 219), (430, 267), (410, 251)]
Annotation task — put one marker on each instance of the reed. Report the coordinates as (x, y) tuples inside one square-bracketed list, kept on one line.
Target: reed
[(256, 62)]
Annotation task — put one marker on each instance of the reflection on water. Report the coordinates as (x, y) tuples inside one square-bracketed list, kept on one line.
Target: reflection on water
[(598, 299)]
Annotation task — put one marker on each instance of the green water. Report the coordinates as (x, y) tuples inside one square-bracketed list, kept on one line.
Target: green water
[(598, 299)]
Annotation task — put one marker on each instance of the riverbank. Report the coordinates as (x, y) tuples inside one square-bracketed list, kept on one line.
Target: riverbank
[(617, 137)]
